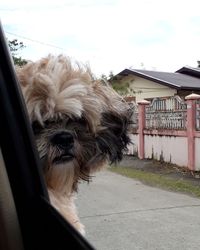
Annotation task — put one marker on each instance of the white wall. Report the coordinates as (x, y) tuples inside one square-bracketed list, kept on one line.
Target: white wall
[(172, 149), (133, 148), (197, 153), (148, 89)]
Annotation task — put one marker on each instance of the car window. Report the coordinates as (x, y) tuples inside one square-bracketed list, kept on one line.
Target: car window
[(35, 213)]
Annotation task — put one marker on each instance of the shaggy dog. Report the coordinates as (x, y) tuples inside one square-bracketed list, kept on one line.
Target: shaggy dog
[(79, 125)]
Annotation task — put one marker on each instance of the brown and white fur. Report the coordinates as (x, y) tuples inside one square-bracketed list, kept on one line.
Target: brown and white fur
[(79, 126)]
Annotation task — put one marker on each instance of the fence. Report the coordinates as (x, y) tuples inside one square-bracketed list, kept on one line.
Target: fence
[(168, 130), (197, 114), (134, 119), (166, 114)]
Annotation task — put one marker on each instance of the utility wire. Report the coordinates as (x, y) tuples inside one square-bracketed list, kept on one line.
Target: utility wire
[(35, 41)]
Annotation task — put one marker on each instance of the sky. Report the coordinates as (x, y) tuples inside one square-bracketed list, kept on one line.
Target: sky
[(107, 35)]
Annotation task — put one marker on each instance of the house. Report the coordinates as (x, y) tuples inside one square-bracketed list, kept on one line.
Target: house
[(147, 84)]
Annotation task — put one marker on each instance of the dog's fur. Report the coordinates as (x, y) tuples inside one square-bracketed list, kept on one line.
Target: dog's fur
[(79, 125)]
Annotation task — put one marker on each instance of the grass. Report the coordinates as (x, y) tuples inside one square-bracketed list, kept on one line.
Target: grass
[(158, 180)]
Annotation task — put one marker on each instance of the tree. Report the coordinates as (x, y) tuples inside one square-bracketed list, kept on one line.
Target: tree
[(113, 81), (15, 46), (106, 80), (104, 77), (124, 89), (198, 64)]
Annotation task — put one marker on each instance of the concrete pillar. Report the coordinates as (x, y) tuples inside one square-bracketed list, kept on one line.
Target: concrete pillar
[(141, 126), (191, 127)]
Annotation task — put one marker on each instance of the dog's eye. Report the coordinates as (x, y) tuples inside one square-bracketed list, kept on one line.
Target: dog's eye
[(36, 127), (82, 121), (48, 122), (66, 120)]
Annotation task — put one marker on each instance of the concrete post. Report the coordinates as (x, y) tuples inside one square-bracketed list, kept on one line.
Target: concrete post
[(141, 120), (191, 127)]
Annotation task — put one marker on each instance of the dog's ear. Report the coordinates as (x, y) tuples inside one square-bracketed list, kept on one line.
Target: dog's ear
[(113, 139)]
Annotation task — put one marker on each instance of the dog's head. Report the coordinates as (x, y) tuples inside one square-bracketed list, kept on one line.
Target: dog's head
[(79, 124)]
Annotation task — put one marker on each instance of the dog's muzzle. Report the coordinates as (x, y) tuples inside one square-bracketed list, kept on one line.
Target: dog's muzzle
[(64, 142)]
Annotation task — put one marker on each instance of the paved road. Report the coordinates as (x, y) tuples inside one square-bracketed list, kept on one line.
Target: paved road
[(123, 214)]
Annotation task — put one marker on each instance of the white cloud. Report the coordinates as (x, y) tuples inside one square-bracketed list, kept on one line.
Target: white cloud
[(110, 35)]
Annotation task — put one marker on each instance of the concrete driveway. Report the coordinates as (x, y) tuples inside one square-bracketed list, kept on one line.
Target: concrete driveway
[(121, 214)]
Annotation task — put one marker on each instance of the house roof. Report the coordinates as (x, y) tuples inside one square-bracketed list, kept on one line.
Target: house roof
[(189, 71), (174, 80)]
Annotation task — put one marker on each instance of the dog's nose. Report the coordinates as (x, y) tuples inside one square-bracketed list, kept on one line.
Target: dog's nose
[(64, 140)]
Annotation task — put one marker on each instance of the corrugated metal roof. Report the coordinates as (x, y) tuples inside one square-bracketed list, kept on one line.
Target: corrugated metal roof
[(174, 80)]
